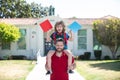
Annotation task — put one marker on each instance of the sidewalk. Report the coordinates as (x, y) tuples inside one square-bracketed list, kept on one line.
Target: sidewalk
[(39, 72)]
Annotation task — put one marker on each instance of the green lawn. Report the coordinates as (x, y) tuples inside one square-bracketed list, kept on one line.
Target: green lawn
[(15, 69), (90, 70), (99, 70)]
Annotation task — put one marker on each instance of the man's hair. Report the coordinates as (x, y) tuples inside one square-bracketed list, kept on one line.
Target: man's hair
[(60, 23), (60, 40)]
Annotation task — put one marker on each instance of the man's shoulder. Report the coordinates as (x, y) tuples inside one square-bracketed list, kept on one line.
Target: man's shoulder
[(64, 54)]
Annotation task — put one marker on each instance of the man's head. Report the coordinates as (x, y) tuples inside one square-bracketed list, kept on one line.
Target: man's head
[(59, 45)]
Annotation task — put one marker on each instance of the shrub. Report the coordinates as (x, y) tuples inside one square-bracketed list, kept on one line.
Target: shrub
[(87, 55), (17, 57), (107, 57), (118, 57), (81, 57), (5, 57), (98, 54)]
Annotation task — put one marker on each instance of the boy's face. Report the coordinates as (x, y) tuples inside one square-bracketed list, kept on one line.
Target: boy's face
[(59, 28)]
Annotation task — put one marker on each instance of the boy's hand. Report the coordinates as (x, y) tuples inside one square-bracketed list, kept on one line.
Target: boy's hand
[(71, 35), (48, 39)]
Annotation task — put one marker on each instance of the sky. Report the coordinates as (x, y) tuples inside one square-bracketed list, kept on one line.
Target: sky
[(82, 8)]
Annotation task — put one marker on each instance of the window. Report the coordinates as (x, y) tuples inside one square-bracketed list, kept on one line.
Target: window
[(82, 40), (22, 41), (6, 45)]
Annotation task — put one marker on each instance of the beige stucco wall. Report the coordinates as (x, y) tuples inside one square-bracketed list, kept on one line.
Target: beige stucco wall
[(106, 52), (35, 40), (28, 52), (77, 51)]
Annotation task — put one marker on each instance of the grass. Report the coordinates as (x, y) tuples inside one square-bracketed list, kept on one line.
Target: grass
[(99, 70), (15, 69)]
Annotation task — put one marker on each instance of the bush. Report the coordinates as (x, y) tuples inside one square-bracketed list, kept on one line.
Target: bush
[(107, 57), (118, 57), (98, 54), (87, 55), (5, 57), (81, 57), (17, 57)]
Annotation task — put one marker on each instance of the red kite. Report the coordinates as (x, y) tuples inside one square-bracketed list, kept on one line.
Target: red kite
[(46, 25)]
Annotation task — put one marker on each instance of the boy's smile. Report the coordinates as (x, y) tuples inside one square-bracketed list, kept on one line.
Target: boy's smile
[(59, 28)]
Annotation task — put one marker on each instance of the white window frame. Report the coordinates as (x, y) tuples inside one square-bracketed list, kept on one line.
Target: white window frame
[(82, 36)]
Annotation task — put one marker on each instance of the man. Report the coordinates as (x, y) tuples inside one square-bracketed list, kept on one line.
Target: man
[(59, 62)]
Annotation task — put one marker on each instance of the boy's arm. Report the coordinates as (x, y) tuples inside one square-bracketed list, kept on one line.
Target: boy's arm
[(48, 39), (71, 36)]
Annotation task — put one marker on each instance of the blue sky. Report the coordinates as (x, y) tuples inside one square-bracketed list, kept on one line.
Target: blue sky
[(82, 8)]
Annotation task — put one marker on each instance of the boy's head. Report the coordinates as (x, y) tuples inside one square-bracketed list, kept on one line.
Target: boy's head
[(60, 27)]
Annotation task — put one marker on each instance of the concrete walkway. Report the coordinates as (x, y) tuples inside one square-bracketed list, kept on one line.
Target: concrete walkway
[(39, 72)]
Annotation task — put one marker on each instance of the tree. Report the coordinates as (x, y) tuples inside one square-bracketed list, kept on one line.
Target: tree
[(108, 33), (8, 33), (39, 11), (21, 9), (14, 9), (35, 9)]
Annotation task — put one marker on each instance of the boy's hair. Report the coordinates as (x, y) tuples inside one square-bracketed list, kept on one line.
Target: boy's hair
[(60, 23), (60, 40)]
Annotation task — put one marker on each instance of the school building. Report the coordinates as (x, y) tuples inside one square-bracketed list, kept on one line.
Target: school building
[(33, 37)]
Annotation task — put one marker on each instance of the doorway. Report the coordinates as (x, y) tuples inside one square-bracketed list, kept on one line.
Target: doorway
[(47, 46)]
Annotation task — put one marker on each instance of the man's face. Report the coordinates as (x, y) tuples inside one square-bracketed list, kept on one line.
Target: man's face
[(59, 46)]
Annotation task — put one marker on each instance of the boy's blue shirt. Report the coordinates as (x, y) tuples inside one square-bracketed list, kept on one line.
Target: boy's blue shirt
[(60, 36)]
